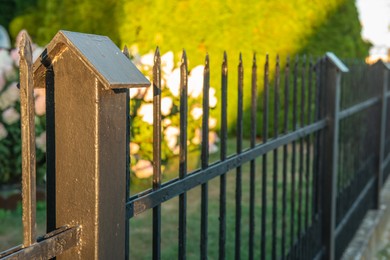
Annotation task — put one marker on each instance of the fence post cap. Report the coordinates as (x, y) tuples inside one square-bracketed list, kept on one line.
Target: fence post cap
[(380, 62), (99, 54), (336, 61)]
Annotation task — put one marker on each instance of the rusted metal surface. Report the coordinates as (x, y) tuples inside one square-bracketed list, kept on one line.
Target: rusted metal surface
[(49, 246), (28, 141)]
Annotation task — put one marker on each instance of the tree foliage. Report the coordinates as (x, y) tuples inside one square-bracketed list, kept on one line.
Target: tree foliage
[(203, 26), (49, 16)]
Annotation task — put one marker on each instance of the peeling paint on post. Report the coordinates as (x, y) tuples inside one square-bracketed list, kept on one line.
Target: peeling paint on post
[(90, 76)]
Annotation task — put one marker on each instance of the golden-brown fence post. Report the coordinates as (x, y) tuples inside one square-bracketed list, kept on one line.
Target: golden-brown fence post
[(28, 141), (89, 78)]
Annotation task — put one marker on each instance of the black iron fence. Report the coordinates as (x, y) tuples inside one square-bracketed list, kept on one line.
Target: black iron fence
[(329, 127), (300, 192)]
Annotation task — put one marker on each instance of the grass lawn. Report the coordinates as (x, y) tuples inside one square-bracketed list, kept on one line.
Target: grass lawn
[(11, 231), (141, 226)]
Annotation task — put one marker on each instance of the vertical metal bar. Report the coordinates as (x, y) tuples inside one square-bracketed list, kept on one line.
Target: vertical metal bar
[(301, 147), (252, 162), (308, 143), (263, 252), (28, 141), (316, 155), (384, 72), (183, 155), (309, 243), (50, 145), (293, 156), (157, 152), (275, 161), (127, 224), (239, 149), (222, 196), (205, 159), (333, 70), (285, 155)]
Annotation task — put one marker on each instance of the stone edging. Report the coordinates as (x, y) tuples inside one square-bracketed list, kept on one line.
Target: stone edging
[(368, 238)]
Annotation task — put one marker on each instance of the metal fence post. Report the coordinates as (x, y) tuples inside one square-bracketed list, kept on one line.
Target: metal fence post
[(380, 73), (333, 70), (89, 77)]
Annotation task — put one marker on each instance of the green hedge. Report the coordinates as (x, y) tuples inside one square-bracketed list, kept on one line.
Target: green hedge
[(203, 26)]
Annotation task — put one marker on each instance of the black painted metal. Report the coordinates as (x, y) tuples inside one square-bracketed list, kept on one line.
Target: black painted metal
[(330, 167), (304, 134), (183, 155), (275, 161), (301, 155), (285, 156), (332, 85), (157, 152), (205, 159), (142, 202), (293, 156), (263, 252), (239, 149), (127, 224), (51, 148), (222, 196), (252, 166), (308, 140)]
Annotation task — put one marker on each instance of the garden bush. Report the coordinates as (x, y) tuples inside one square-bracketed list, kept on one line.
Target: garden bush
[(141, 112), (10, 133), (284, 27)]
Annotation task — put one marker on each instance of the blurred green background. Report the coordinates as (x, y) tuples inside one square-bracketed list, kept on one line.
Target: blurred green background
[(202, 26)]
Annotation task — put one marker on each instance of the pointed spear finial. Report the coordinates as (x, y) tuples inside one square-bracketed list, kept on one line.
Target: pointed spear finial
[(157, 57), (25, 50), (254, 63), (207, 64), (184, 57), (224, 63), (126, 52), (240, 58)]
